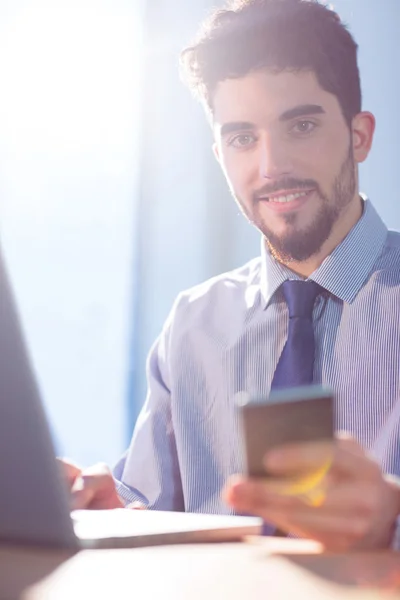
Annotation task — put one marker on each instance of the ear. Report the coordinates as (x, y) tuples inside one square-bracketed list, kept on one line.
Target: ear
[(363, 127)]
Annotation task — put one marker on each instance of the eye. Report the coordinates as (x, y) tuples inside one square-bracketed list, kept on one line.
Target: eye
[(303, 126), (242, 140)]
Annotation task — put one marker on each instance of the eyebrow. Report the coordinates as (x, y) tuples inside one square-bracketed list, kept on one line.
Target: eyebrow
[(302, 110), (235, 126)]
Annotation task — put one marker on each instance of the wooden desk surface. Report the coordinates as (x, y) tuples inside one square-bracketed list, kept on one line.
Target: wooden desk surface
[(273, 569)]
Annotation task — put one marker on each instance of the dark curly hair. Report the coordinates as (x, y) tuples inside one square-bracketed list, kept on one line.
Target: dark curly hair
[(279, 35)]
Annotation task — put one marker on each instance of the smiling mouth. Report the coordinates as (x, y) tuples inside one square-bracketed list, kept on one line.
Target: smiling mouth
[(285, 198)]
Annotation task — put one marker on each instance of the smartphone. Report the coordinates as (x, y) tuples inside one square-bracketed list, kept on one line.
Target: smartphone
[(293, 415)]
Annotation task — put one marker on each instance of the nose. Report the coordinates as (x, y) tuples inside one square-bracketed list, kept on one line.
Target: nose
[(274, 159)]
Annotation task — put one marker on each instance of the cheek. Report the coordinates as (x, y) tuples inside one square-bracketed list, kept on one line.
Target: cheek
[(316, 153), (241, 174), (321, 161), (331, 151)]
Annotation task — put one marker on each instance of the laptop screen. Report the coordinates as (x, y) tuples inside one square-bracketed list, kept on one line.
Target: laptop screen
[(33, 501)]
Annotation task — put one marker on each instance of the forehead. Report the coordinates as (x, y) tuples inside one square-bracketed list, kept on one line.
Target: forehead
[(262, 96)]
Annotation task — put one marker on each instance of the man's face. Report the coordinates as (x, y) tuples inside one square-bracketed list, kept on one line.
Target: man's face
[(287, 154)]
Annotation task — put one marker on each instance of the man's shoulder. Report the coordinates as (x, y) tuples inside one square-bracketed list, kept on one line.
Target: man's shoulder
[(390, 257), (393, 240), (388, 263), (224, 289)]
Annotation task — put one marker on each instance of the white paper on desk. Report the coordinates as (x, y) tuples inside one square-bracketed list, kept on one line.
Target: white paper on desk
[(124, 527)]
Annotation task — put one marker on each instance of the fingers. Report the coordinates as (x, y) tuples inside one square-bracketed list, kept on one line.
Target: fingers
[(95, 489), (249, 495), (92, 488), (334, 532), (359, 507), (69, 470), (337, 524), (345, 457), (296, 458), (252, 496)]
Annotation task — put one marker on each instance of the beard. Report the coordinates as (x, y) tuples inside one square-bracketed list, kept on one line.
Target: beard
[(299, 244)]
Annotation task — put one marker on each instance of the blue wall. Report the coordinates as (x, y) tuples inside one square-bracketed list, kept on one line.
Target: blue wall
[(375, 25)]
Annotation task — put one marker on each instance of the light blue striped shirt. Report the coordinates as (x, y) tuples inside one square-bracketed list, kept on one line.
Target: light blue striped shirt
[(225, 336)]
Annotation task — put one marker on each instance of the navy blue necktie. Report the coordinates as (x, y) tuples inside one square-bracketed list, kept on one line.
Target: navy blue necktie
[(296, 363)]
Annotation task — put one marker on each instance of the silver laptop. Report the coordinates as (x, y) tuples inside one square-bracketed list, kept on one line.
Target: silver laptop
[(34, 501)]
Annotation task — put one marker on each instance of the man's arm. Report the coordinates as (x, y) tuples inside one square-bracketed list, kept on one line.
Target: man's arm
[(149, 472)]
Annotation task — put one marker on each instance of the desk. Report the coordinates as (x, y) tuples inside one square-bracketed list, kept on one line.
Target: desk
[(272, 569)]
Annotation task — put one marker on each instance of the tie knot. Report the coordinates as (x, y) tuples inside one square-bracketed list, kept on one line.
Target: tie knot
[(300, 297)]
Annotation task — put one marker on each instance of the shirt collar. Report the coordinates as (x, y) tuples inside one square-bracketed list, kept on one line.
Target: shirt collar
[(343, 272)]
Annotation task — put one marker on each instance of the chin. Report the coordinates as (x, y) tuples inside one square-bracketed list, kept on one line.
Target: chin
[(280, 234)]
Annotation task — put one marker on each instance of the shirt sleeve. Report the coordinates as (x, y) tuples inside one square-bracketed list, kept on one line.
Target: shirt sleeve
[(149, 471)]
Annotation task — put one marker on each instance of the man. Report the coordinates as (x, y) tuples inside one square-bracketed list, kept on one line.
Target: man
[(280, 84)]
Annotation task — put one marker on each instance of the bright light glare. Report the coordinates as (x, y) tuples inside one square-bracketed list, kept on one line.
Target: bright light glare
[(69, 73)]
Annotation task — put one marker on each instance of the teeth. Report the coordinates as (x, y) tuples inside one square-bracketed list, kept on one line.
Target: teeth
[(287, 198)]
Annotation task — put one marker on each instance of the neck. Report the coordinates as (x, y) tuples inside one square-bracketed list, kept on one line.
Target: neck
[(345, 223)]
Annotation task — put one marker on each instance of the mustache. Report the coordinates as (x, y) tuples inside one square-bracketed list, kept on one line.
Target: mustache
[(287, 184)]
